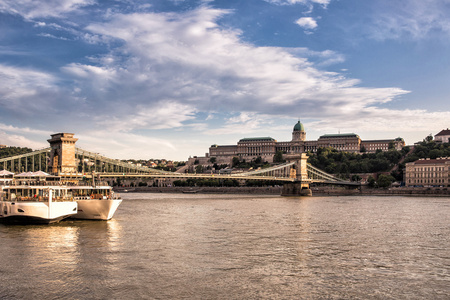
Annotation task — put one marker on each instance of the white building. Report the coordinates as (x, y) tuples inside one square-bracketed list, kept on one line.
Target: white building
[(443, 136)]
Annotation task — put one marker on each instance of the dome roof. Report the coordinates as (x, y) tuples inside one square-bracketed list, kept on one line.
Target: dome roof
[(299, 127)]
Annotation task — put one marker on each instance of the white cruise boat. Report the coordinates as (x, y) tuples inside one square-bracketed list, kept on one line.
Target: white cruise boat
[(95, 202), (36, 204)]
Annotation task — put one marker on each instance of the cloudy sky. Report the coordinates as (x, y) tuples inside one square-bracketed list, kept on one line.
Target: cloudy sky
[(168, 78)]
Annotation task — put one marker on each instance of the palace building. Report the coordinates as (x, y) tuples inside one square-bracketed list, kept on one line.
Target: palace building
[(267, 147)]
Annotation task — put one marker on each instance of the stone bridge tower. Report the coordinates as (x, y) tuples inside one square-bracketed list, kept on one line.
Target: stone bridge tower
[(62, 154), (300, 172)]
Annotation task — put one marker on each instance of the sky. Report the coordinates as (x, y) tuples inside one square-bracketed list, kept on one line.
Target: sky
[(168, 78)]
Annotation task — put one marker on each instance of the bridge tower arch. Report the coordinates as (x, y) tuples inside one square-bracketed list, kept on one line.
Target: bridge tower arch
[(62, 153), (299, 171)]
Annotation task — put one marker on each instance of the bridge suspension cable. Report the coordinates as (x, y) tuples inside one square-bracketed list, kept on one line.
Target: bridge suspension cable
[(114, 165), (318, 175), (270, 171), (31, 161)]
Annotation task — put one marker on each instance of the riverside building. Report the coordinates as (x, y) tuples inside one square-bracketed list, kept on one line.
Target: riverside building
[(428, 172), (267, 147)]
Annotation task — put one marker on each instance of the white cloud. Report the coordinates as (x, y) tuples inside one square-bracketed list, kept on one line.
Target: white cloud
[(161, 71), (415, 19), (190, 60), (31, 9), (243, 123), (17, 136), (306, 2), (307, 23), (162, 115), (53, 36), (385, 123), (19, 87)]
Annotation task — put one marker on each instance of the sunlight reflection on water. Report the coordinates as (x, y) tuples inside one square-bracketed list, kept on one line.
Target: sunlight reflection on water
[(168, 246)]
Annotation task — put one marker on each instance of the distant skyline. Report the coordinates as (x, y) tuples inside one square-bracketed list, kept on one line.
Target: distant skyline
[(168, 78)]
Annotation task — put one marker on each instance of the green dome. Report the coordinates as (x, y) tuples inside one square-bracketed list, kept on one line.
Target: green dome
[(299, 127)]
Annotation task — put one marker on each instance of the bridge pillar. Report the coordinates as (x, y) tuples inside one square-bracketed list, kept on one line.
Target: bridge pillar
[(62, 154), (299, 171)]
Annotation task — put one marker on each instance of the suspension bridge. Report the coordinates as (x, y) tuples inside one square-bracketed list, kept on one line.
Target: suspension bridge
[(63, 159)]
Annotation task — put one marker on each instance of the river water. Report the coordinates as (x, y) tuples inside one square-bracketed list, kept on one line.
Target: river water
[(185, 246)]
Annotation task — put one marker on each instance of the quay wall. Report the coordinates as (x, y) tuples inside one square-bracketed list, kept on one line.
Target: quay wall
[(202, 190)]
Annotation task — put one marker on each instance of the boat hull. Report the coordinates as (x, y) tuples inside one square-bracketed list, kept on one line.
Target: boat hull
[(96, 209), (35, 212), (29, 220)]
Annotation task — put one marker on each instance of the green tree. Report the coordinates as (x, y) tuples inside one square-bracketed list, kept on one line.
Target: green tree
[(278, 157), (385, 181), (356, 178), (235, 161), (199, 169), (371, 181), (435, 153)]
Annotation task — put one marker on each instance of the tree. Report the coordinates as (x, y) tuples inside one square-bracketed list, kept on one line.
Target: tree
[(371, 181), (235, 161), (429, 138), (278, 157), (212, 160), (385, 181), (199, 169), (435, 153), (356, 178)]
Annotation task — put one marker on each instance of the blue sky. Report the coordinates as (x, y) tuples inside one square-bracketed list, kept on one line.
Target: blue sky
[(166, 79)]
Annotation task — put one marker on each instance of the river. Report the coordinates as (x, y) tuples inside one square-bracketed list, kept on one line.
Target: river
[(192, 246)]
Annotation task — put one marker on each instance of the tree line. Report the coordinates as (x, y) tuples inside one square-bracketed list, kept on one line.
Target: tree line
[(12, 151)]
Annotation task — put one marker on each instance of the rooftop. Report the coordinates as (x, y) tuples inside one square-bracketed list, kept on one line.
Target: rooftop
[(444, 132), (440, 160), (338, 135), (257, 139)]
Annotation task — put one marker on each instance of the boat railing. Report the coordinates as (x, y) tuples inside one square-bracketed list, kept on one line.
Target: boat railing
[(97, 197), (35, 182), (43, 199)]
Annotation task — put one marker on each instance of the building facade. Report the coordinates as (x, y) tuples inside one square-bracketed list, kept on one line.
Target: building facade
[(443, 136), (428, 172), (267, 147)]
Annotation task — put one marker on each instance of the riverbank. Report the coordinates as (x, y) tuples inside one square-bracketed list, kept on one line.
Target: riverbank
[(423, 192), (316, 191), (202, 190)]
